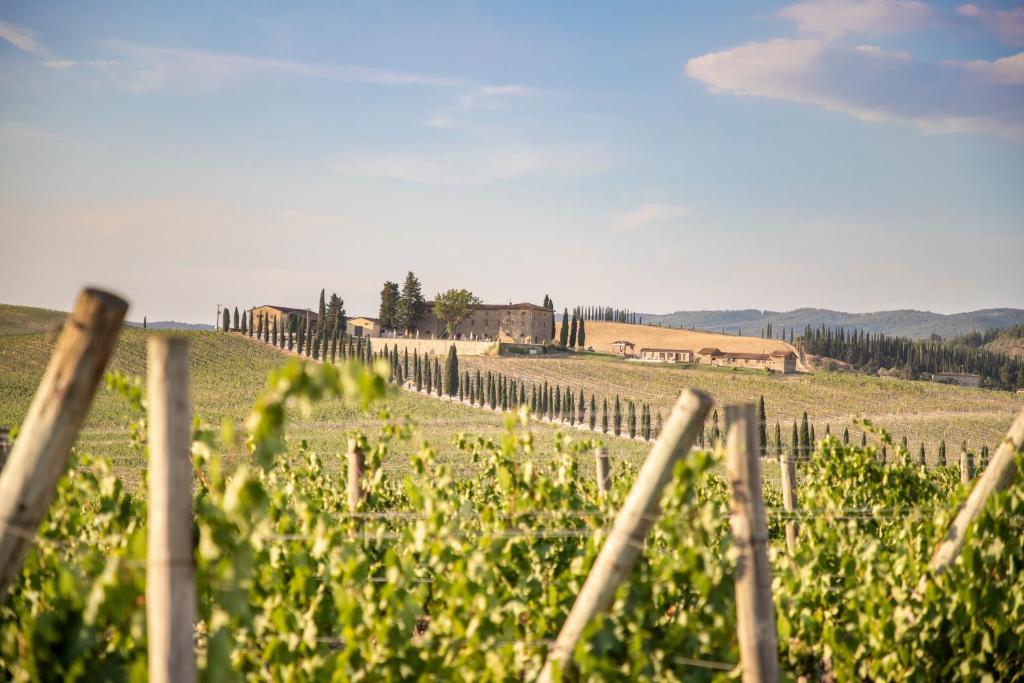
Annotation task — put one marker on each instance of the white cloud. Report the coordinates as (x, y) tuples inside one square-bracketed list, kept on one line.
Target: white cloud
[(651, 214), (1008, 24), (24, 39), (479, 168), (874, 85), (146, 68), (835, 18)]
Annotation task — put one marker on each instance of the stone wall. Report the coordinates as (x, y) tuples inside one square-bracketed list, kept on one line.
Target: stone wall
[(438, 347)]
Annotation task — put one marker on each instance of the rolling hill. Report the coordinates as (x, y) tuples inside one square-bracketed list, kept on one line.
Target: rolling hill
[(601, 335), (904, 323)]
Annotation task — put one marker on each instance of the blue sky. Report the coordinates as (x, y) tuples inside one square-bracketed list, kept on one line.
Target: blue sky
[(859, 155)]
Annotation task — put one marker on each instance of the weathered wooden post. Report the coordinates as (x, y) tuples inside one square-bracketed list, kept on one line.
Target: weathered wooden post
[(625, 541), (966, 465), (604, 480), (170, 564), (40, 454), (755, 611), (787, 470), (1000, 473), (356, 465)]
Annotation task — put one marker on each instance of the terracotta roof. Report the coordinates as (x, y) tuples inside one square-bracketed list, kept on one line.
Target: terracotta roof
[(288, 309), (363, 317), (667, 350), (779, 353), (709, 351), (746, 356)]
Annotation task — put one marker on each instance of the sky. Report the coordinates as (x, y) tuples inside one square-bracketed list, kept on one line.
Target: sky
[(858, 155)]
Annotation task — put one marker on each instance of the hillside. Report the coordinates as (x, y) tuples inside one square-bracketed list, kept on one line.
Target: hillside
[(601, 335), (228, 373), (28, 320), (903, 323)]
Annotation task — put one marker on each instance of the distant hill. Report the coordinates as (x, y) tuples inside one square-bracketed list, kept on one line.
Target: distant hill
[(904, 323), (31, 320), (173, 325)]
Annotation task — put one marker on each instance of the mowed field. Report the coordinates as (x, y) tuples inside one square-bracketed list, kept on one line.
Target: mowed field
[(228, 373), (918, 410), (601, 335)]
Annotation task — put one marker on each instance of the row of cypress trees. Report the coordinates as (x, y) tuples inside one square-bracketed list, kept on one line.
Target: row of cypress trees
[(871, 352), (608, 314), (572, 334)]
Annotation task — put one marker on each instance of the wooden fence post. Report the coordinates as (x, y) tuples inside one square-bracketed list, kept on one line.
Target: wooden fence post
[(755, 611), (604, 480), (966, 465), (625, 541), (1000, 473), (787, 471), (170, 564), (356, 465), (62, 400)]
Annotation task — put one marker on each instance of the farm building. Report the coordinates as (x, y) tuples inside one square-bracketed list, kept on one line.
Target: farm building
[(521, 323), (362, 326), (778, 361), (964, 379), (667, 355), (624, 348), (281, 313)]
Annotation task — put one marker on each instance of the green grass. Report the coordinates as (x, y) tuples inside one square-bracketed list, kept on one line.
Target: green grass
[(228, 373)]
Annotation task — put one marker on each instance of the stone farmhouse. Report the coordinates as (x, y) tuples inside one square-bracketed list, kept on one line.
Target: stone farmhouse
[(667, 355), (357, 326), (777, 361), (522, 323), (964, 379)]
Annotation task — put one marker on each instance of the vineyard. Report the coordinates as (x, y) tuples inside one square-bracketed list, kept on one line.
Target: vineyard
[(301, 571)]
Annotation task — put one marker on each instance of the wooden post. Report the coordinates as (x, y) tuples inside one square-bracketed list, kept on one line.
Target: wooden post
[(356, 465), (966, 465), (625, 541), (170, 564), (604, 480), (1000, 473), (787, 470), (755, 611), (62, 400)]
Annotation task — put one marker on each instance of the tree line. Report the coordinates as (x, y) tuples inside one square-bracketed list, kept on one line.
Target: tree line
[(608, 314), (870, 352)]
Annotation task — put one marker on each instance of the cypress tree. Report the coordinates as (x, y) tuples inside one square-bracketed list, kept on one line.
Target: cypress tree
[(794, 444), (604, 416), (405, 361), (942, 453), (452, 371), (805, 436), (234, 321), (492, 394), (572, 332), (225, 323), (716, 433), (762, 426), (617, 417), (317, 340), (417, 373), (581, 336), (245, 323), (921, 455), (438, 377), (533, 399), (593, 412), (903, 446), (428, 379), (778, 440), (280, 337), (863, 439), (522, 392), (563, 333), (369, 353), (631, 419), (273, 334), (846, 436), (558, 402), (814, 439)]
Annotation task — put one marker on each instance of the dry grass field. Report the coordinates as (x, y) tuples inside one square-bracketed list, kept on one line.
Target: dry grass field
[(600, 336)]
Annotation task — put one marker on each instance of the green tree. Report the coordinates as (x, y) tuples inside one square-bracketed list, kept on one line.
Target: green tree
[(428, 379), (805, 436), (245, 322), (572, 332), (762, 426), (617, 417), (321, 311), (631, 419), (451, 372), (581, 335), (942, 453), (453, 307), (604, 415), (234, 320), (225, 323), (794, 443), (411, 304), (778, 439), (335, 314), (389, 300), (563, 333), (592, 414)]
